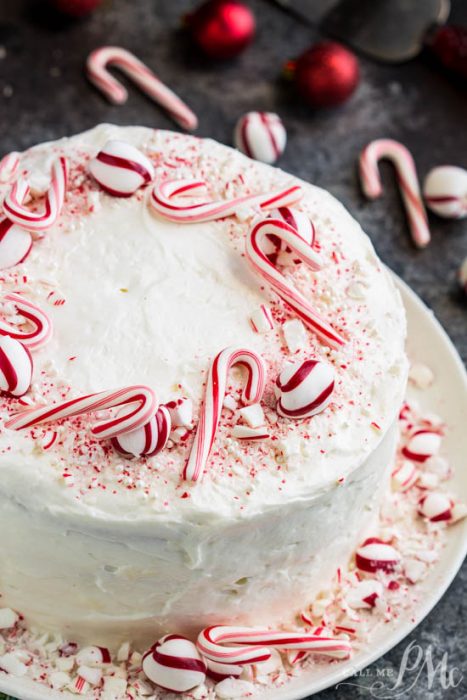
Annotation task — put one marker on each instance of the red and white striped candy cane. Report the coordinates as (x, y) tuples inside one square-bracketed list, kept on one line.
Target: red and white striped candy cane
[(9, 165), (165, 194), (145, 408), (255, 641), (42, 331), (97, 69), (407, 177), (214, 398), (255, 242), (54, 199)]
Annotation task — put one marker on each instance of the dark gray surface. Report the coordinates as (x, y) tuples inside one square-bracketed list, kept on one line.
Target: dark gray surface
[(44, 95)]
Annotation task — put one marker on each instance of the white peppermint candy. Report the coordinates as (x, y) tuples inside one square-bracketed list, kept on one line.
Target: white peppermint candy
[(121, 169), (364, 594), (404, 476), (93, 656), (146, 441), (253, 415), (445, 191), (15, 366), (174, 663), (181, 412), (422, 445), (304, 388), (243, 432), (15, 244), (260, 135), (376, 555), (438, 507)]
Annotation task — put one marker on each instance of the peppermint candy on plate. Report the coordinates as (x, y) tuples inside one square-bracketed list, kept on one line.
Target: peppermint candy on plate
[(15, 366), (261, 135), (304, 389), (422, 445), (438, 507), (404, 475), (147, 440), (174, 663), (365, 594), (376, 555), (121, 169), (445, 191), (15, 244), (93, 656)]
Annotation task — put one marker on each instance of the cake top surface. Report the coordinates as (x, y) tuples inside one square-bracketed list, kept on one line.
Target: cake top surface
[(136, 299)]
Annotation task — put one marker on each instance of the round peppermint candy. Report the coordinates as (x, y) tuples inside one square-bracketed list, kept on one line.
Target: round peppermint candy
[(304, 388), (260, 135), (146, 441), (376, 555), (445, 191), (175, 664), (15, 244), (15, 366), (121, 169)]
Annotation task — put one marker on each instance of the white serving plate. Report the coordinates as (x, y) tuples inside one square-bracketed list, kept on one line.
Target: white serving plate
[(428, 343)]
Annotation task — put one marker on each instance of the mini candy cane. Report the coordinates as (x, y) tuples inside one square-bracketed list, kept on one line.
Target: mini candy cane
[(141, 395), (174, 663), (42, 331), (408, 183), (55, 197), (165, 193), (15, 366), (213, 401), (15, 244), (266, 269), (97, 64), (9, 165), (255, 641)]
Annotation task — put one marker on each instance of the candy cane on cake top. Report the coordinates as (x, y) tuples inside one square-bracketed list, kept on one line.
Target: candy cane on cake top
[(167, 201), (97, 69), (42, 329), (143, 397), (214, 397), (16, 366), (253, 643), (9, 165), (15, 244), (255, 242), (407, 177), (54, 199)]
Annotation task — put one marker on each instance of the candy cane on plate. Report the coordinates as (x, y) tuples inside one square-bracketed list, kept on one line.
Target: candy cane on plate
[(54, 199), (398, 154), (255, 241), (42, 331), (166, 193), (254, 643), (9, 165), (214, 398), (97, 69), (145, 408)]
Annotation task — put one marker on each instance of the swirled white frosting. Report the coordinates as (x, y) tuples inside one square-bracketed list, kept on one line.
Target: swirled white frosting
[(148, 301)]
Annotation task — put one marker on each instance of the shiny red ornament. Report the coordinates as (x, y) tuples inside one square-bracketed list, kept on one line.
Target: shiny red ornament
[(326, 74), (75, 8), (449, 44), (222, 28)]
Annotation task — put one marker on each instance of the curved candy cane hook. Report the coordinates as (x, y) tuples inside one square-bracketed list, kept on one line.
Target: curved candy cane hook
[(42, 331), (255, 241), (54, 199), (9, 165), (166, 193), (213, 400), (407, 178), (100, 59), (144, 398)]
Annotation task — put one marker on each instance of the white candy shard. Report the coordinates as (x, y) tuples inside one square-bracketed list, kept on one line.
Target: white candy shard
[(445, 191), (13, 665), (414, 570), (230, 403), (181, 412), (261, 319), (404, 475), (421, 375), (123, 653), (92, 675), (243, 432), (253, 415), (8, 618), (365, 594), (295, 335), (59, 679), (114, 688), (231, 688)]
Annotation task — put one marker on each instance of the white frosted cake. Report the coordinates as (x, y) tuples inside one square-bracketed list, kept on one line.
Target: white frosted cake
[(103, 546)]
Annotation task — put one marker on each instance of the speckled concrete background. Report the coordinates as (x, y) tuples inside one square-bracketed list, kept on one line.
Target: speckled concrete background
[(44, 95)]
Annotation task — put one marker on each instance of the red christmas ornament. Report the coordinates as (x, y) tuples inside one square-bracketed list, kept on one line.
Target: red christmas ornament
[(449, 44), (326, 74), (222, 28), (75, 8)]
